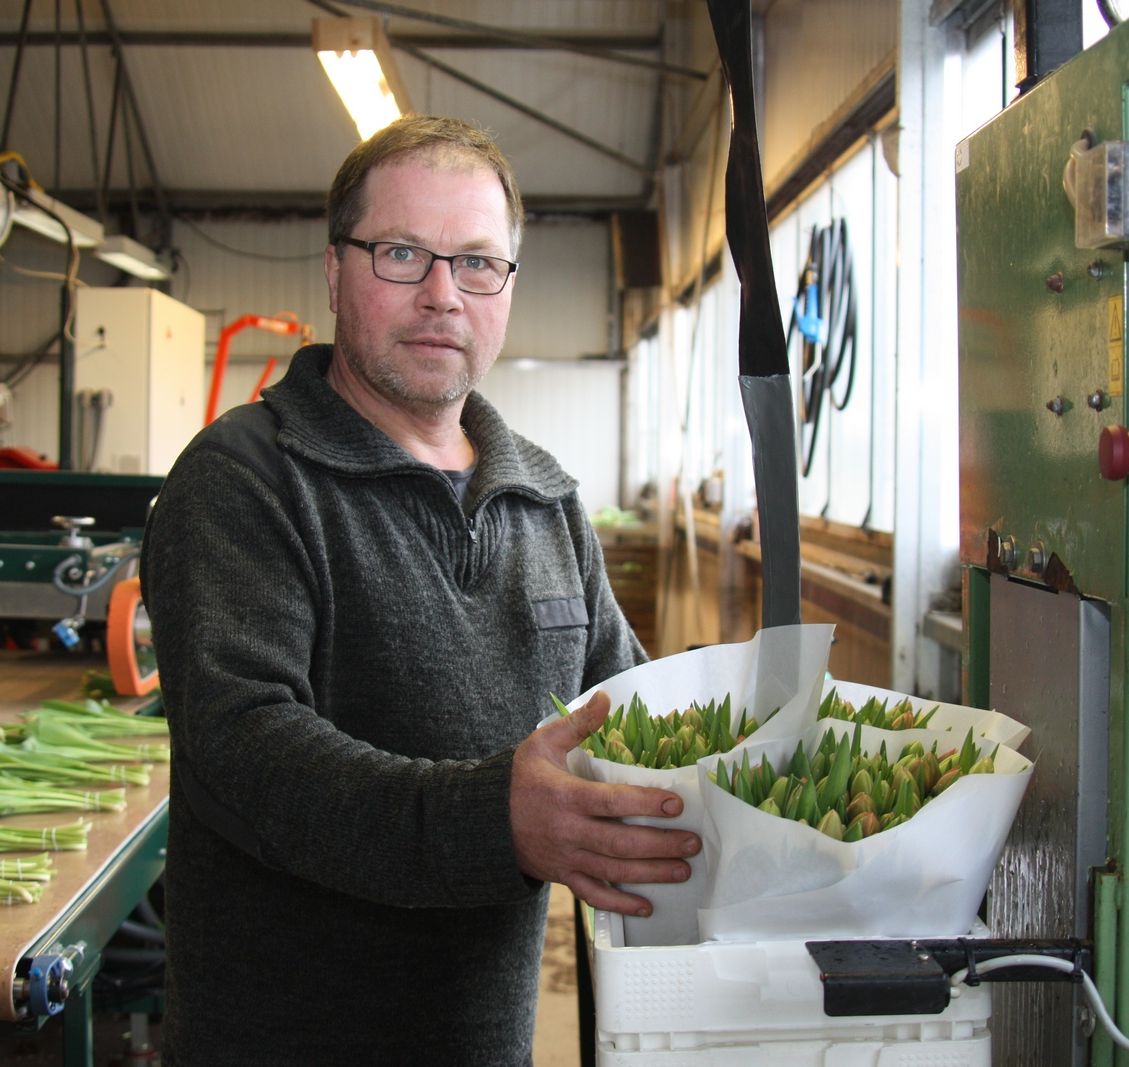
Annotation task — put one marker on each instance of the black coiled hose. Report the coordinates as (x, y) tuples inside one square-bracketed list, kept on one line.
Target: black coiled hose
[(824, 323)]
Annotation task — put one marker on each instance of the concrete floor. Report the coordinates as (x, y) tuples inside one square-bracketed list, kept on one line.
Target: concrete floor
[(556, 1040)]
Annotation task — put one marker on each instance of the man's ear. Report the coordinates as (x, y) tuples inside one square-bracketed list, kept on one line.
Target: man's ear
[(332, 273)]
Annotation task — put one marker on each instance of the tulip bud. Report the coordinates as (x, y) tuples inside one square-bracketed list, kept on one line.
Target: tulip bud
[(945, 781), (831, 825), (861, 802)]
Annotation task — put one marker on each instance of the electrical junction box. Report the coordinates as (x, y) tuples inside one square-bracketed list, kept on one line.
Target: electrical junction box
[(139, 379), (1101, 196)]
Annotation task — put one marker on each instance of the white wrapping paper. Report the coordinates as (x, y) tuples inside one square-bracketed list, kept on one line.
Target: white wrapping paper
[(781, 667), (771, 878), (987, 726)]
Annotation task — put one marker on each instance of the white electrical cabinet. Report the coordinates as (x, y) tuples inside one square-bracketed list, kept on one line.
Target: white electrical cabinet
[(139, 379)]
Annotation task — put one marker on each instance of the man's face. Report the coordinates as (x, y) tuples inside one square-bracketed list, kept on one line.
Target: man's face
[(424, 346)]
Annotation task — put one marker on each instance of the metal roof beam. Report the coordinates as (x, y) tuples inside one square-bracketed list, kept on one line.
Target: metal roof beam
[(529, 112), (271, 39), (301, 203)]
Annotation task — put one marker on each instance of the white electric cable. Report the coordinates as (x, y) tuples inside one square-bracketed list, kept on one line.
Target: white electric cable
[(1065, 966)]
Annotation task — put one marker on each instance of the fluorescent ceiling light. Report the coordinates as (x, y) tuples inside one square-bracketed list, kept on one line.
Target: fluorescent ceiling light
[(357, 58), (132, 257), (37, 215)]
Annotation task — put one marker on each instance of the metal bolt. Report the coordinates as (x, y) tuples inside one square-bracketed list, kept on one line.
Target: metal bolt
[(1097, 400), (1007, 552), (1096, 269), (29, 565), (1036, 558), (1057, 406), (1055, 282), (1087, 1021)]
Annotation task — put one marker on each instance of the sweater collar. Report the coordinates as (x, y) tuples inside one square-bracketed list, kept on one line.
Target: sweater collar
[(318, 424)]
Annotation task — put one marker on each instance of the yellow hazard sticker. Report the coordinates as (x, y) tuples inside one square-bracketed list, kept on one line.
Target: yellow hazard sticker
[(1115, 335)]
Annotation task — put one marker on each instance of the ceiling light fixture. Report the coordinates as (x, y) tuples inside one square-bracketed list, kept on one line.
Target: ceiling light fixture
[(132, 257), (47, 216), (357, 58)]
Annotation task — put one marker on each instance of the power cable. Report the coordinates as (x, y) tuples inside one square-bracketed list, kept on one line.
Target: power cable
[(26, 363), (215, 242), (1053, 963)]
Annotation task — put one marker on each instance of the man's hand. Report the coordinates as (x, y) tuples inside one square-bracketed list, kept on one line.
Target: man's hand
[(566, 829)]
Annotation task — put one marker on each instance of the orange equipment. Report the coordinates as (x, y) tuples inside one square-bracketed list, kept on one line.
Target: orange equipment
[(280, 324)]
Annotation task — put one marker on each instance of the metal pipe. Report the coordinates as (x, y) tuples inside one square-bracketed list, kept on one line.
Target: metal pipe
[(58, 98), (16, 63), (90, 117), (525, 109), (521, 38), (1105, 956), (66, 370), (158, 190)]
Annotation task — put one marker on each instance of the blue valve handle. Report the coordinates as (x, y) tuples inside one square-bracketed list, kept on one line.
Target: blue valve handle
[(807, 319), (47, 983), (66, 633)]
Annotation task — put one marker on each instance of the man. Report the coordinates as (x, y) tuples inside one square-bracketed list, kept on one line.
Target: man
[(363, 591)]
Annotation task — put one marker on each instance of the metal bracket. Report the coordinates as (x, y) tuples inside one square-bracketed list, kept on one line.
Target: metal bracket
[(896, 977), (48, 980)]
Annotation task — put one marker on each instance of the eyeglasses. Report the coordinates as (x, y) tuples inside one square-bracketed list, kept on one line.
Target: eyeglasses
[(410, 264)]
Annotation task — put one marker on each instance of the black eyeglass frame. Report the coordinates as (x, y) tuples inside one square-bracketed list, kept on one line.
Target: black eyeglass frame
[(370, 248)]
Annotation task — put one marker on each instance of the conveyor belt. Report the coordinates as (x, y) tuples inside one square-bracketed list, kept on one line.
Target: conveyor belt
[(92, 891)]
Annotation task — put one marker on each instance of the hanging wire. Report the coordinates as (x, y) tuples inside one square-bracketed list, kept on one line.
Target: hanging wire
[(246, 253), (70, 277), (26, 363)]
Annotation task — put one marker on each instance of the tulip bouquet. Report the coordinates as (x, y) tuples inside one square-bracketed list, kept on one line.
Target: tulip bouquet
[(856, 831), (764, 688), (825, 807)]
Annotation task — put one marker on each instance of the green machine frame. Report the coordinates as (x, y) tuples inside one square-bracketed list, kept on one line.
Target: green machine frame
[(1043, 537)]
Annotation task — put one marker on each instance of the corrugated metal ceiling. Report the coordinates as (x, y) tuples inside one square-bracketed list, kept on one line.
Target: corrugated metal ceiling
[(235, 112)]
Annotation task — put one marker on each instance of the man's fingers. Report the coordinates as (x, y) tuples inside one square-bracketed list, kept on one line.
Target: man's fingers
[(623, 801), (634, 872), (640, 842), (608, 898), (568, 733)]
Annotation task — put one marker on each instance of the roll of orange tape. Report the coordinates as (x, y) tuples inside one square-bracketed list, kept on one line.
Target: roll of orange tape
[(129, 643)]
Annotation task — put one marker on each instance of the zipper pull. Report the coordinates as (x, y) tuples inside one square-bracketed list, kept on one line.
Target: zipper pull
[(470, 530)]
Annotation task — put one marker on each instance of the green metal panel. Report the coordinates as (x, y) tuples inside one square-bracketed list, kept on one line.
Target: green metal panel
[(1035, 325), (1042, 326)]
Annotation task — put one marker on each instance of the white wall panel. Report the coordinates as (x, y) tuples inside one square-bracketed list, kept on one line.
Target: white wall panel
[(573, 411)]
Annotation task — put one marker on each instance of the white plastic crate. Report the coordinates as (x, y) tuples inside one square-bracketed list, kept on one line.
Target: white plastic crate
[(757, 1004)]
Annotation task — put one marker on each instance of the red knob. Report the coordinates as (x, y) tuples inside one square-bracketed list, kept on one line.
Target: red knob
[(1113, 453)]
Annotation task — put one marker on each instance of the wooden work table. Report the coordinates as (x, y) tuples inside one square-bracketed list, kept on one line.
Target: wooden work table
[(92, 891)]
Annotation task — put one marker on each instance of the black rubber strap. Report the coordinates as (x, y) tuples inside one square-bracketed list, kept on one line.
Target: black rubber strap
[(762, 351)]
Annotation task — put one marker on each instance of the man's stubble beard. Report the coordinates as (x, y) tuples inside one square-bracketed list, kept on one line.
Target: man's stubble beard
[(382, 376)]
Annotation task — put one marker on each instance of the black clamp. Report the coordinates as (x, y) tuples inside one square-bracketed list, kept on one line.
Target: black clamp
[(971, 978)]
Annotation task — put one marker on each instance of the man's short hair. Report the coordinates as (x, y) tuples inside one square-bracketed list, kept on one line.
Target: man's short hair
[(445, 141)]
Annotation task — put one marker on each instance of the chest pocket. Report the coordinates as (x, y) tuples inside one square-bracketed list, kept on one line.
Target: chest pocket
[(560, 613)]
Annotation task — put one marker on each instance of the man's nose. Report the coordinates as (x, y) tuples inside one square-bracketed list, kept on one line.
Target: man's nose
[(438, 289)]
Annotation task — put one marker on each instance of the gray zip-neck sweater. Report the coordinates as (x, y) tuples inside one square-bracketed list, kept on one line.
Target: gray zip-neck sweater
[(348, 657)]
